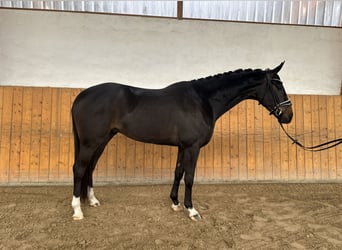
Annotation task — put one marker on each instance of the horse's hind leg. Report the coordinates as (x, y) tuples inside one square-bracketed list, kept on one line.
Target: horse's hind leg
[(179, 172), (83, 172), (80, 168)]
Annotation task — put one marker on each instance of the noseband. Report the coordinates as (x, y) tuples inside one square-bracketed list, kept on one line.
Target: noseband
[(277, 108)]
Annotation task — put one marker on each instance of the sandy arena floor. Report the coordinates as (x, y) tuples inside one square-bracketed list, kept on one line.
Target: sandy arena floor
[(235, 216)]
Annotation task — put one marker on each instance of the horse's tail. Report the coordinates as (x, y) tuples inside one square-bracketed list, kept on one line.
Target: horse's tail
[(85, 178), (76, 138)]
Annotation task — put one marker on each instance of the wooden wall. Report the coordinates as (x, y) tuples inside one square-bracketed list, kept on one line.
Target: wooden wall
[(36, 143)]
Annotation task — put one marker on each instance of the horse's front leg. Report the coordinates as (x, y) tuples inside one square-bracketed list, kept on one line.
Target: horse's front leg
[(189, 161)]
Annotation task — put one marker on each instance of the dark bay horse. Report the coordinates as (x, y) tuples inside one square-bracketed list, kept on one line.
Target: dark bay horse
[(182, 115)]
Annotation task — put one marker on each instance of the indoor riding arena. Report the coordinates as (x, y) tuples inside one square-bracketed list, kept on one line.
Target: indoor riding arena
[(255, 186)]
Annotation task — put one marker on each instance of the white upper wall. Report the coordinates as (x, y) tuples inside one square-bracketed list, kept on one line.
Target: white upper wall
[(42, 48)]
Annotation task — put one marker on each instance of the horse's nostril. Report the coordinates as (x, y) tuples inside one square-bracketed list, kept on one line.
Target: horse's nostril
[(286, 117)]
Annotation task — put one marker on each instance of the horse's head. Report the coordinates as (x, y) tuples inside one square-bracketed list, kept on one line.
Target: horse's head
[(274, 98)]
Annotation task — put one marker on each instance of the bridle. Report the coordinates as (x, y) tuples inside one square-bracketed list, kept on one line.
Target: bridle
[(277, 112)]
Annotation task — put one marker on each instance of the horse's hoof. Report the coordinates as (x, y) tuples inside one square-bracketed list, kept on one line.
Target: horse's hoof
[(177, 207), (77, 217), (196, 217), (94, 204)]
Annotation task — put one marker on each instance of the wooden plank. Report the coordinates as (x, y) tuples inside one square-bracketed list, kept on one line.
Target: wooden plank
[(276, 152), (121, 157), (112, 158), (200, 168), (251, 138), (156, 165), (307, 137), (37, 97), (299, 118), (316, 157), (322, 100), (338, 127), (65, 136), (242, 118), (16, 127), (100, 173), (54, 135), (226, 164), (284, 155), (234, 143), (259, 142), (166, 163), (130, 161), (139, 161), (217, 148), (3, 178), (208, 152), (44, 163), (148, 162), (26, 130), (5, 137), (292, 149), (267, 125), (174, 153), (331, 136)]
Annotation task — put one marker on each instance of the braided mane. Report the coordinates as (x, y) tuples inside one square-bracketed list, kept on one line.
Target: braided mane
[(231, 74)]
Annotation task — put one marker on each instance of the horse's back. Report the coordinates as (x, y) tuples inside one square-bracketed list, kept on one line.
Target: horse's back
[(162, 116), (128, 96)]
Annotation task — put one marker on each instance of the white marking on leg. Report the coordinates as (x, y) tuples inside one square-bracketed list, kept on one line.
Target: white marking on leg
[(93, 202), (76, 205), (194, 215), (177, 207)]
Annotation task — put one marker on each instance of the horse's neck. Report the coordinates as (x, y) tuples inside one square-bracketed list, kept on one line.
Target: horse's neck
[(226, 93)]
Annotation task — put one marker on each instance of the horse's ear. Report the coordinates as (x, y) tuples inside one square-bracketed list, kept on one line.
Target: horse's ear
[(278, 68)]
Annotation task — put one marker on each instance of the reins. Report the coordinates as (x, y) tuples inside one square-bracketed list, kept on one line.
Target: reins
[(316, 148), (277, 112)]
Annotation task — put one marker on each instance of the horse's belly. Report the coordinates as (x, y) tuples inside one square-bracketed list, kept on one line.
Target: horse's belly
[(167, 130), (152, 134), (150, 129)]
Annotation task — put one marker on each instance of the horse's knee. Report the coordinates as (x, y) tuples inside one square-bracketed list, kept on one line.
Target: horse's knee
[(178, 175), (189, 180)]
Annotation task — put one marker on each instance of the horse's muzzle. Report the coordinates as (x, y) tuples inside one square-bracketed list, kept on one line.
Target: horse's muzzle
[(286, 115)]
